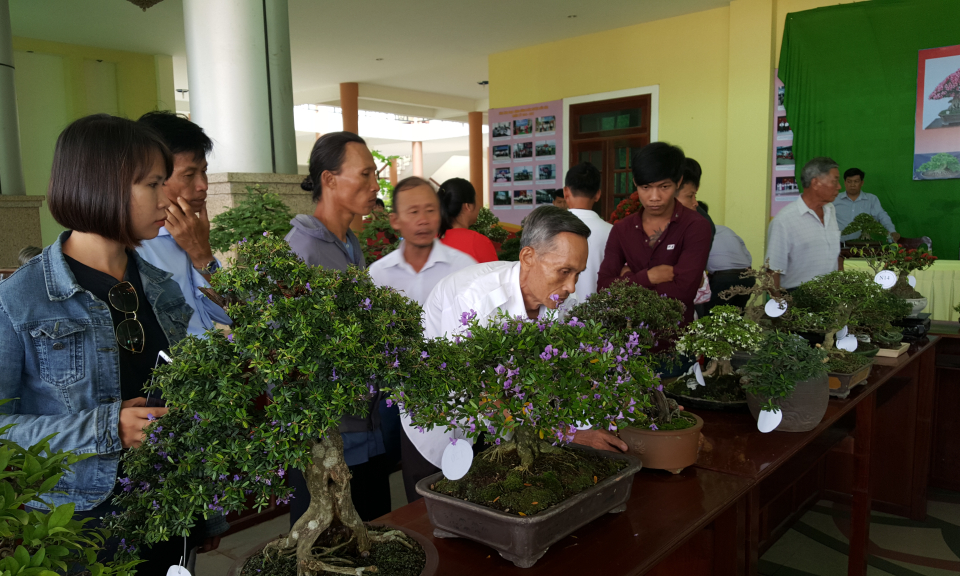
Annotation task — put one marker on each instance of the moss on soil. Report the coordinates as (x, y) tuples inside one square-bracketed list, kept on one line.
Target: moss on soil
[(553, 479), (725, 388), (679, 422), (847, 363), (391, 559)]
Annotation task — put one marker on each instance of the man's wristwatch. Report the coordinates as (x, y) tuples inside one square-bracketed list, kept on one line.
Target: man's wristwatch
[(211, 267)]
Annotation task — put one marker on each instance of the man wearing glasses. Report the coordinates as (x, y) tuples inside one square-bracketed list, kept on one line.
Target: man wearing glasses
[(183, 245), (663, 246)]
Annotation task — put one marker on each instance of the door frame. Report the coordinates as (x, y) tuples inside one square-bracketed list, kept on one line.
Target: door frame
[(653, 91)]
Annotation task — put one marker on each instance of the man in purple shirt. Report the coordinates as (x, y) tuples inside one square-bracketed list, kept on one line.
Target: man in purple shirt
[(663, 246)]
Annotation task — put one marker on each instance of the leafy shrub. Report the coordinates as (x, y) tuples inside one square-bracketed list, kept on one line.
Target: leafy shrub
[(627, 307), (378, 238), (782, 360), (489, 225), (261, 211), (867, 226), (720, 334)]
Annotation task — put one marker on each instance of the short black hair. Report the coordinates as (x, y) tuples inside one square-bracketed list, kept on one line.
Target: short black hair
[(380, 203), (704, 206), (691, 172), (854, 172), (406, 184), (179, 133), (96, 162), (557, 194), (329, 152), (657, 161), (583, 180)]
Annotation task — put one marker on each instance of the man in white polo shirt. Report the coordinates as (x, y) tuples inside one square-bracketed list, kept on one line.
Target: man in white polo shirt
[(413, 269), (581, 190), (803, 241)]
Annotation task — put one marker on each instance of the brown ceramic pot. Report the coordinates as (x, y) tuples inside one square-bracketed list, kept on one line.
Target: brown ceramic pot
[(671, 450), (429, 569), (803, 409)]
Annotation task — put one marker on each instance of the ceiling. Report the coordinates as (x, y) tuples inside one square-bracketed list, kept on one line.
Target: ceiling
[(428, 46)]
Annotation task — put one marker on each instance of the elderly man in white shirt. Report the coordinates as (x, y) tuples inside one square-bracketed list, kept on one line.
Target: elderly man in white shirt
[(413, 269), (553, 254), (581, 190), (803, 240)]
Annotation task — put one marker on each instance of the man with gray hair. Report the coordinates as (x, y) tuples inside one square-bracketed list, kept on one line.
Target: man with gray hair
[(803, 241), (553, 253)]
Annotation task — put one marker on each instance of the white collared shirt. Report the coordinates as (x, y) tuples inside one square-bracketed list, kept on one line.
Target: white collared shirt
[(393, 270), (483, 288), (802, 247), (597, 244)]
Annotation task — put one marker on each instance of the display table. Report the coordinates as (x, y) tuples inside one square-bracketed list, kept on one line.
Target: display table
[(747, 488), (940, 284), (945, 458)]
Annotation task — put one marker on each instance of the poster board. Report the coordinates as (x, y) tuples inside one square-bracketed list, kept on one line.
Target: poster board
[(936, 153), (526, 155), (784, 187)]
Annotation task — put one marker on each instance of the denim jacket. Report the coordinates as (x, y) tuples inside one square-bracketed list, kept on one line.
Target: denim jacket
[(59, 361)]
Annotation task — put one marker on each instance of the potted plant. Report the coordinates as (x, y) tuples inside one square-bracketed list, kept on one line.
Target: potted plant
[(871, 231), (489, 225), (526, 386), (261, 211), (670, 441), (903, 261), (949, 88), (378, 238), (45, 543), (721, 338), (760, 292), (787, 376), (320, 342), (940, 165)]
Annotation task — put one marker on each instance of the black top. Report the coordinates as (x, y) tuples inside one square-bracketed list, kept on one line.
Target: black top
[(135, 369)]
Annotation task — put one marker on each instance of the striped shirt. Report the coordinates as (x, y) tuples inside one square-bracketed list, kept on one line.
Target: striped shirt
[(800, 246)]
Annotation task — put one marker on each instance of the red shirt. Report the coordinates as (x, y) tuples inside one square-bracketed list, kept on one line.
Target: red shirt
[(472, 243), (685, 245)]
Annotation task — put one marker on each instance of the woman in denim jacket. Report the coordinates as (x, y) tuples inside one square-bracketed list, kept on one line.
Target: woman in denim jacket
[(81, 325)]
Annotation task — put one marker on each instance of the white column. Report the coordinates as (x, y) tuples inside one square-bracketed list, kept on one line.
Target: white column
[(416, 158), (11, 167), (241, 90)]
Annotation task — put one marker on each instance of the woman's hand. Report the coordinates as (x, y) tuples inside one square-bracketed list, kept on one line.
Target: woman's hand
[(134, 417)]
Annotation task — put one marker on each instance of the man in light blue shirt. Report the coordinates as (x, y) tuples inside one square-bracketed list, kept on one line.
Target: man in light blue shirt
[(854, 202), (183, 245)]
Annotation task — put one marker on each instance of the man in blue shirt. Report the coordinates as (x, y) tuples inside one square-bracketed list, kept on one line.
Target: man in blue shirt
[(854, 201), (183, 245)]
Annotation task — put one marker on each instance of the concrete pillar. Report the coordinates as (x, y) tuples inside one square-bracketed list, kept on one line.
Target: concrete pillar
[(241, 89), (416, 159), (475, 120), (11, 167), (393, 172), (350, 106)]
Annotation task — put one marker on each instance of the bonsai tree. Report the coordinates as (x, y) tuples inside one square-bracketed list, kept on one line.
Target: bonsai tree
[(901, 260), (762, 290), (941, 164), (782, 360), (626, 207), (261, 211), (378, 238), (489, 225), (718, 336), (949, 88), (867, 226), (534, 380), (320, 342), (45, 543)]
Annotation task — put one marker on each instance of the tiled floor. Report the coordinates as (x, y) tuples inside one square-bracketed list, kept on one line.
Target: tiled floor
[(218, 562), (817, 544)]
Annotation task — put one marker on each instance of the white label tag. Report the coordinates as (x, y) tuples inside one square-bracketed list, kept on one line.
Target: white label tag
[(698, 374), (178, 571), (842, 332), (456, 460), (886, 278), (670, 246), (848, 343), (912, 281), (768, 421), (775, 308)]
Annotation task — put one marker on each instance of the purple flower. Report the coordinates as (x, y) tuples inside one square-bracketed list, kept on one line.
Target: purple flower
[(196, 417), (555, 297), (151, 417), (466, 317), (236, 478), (171, 434), (653, 426), (491, 429), (309, 289), (443, 365), (367, 305), (266, 233), (281, 472), (389, 403), (453, 441), (230, 337), (269, 298), (424, 354)]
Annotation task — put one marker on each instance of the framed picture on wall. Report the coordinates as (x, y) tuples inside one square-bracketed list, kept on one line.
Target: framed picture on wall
[(936, 153)]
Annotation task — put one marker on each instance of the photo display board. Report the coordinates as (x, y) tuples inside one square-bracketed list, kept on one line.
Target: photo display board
[(936, 154), (784, 187), (526, 156)]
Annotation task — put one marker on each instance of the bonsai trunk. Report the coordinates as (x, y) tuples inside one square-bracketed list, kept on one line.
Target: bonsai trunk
[(528, 444)]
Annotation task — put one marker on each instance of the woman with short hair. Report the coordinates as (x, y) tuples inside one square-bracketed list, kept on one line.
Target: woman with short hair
[(81, 326)]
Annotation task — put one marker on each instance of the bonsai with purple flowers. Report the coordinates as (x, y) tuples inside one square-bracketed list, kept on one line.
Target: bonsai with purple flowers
[(949, 88), (320, 343)]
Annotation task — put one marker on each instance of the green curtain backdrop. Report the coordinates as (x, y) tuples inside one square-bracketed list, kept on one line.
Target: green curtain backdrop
[(850, 73)]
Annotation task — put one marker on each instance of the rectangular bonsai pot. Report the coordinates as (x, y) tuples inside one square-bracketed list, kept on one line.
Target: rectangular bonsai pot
[(894, 352), (840, 384), (524, 539)]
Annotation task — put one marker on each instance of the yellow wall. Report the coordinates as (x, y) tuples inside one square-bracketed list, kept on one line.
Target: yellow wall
[(715, 73), (58, 83)]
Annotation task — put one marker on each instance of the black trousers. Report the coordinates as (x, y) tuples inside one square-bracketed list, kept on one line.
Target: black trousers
[(724, 280)]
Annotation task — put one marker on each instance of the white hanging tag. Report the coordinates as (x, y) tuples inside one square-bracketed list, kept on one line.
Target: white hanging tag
[(886, 278), (848, 343), (178, 571), (842, 332), (698, 374), (912, 281), (456, 460), (768, 421), (775, 308)]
